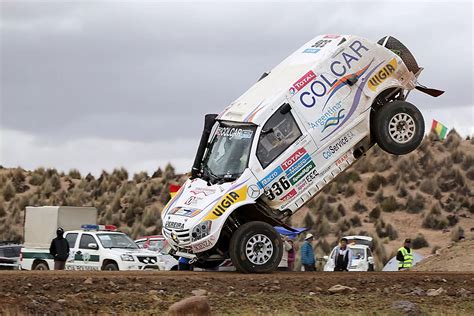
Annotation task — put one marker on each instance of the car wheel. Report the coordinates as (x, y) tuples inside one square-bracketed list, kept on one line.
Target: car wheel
[(256, 248), (41, 266), (399, 127), (111, 267)]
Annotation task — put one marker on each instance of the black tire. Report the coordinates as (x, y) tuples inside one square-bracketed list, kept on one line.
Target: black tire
[(371, 267), (399, 127), (41, 266), (261, 235), (401, 50), (208, 264), (111, 267)]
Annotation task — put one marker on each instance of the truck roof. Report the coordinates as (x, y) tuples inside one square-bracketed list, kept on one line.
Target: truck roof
[(261, 97)]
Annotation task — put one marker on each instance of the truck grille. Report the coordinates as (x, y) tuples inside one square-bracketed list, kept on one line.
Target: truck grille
[(183, 236)]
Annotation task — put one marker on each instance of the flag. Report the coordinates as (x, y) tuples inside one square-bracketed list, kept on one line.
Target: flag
[(173, 189), (439, 129)]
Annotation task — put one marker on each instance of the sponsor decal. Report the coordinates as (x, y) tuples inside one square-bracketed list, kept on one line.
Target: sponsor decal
[(311, 50), (277, 188), (310, 166), (380, 76), (334, 120), (321, 43), (202, 245), (293, 158), (288, 196), (311, 176), (339, 144), (340, 68), (253, 191), (302, 185), (234, 132), (302, 82), (298, 165), (192, 200), (270, 177), (227, 201), (331, 36), (204, 191), (321, 122), (174, 225), (342, 159)]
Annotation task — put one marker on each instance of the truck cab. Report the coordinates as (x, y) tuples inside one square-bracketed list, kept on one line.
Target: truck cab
[(275, 147)]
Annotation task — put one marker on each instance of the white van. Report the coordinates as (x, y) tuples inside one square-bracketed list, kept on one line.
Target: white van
[(362, 257), (275, 147)]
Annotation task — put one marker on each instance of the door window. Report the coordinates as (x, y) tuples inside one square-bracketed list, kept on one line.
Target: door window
[(71, 239), (278, 133), (86, 239)]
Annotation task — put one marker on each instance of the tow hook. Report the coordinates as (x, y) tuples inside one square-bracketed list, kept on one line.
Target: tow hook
[(193, 260)]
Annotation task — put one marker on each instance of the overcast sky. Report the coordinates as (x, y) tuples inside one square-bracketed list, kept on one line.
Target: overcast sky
[(99, 84)]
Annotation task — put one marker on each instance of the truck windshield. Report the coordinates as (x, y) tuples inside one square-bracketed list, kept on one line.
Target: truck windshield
[(228, 152), (116, 241)]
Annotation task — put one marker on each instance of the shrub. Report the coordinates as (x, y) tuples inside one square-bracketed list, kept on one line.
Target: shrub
[(350, 190), (419, 242), (382, 163), (308, 220), (452, 219), (375, 213), (433, 221), (9, 191), (457, 234), (157, 174), (355, 221), (389, 204), (467, 162), (385, 230), (120, 174), (2, 208), (348, 176), (74, 174), (428, 186), (36, 179), (55, 182), (402, 191), (140, 177), (457, 156), (375, 182), (379, 197), (322, 227), (359, 207), (344, 225), (341, 210), (169, 171), (415, 205)]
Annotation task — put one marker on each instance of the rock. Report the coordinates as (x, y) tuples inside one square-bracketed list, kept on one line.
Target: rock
[(417, 291), (406, 307), (61, 301), (433, 292), (463, 292), (195, 305), (386, 290), (312, 293), (231, 293), (152, 292), (112, 284), (88, 281), (317, 289), (199, 292), (341, 289), (276, 282)]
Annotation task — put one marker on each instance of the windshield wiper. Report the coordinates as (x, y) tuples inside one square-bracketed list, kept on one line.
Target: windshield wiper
[(209, 175)]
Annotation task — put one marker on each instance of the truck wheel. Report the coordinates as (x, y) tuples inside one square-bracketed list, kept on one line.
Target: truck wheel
[(399, 127), (41, 266), (256, 248), (111, 267)]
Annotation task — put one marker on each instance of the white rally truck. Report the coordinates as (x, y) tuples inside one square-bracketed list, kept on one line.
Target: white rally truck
[(275, 147), (92, 246)]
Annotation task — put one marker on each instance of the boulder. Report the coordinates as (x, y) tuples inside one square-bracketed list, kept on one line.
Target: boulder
[(194, 305), (433, 292), (406, 307), (342, 289)]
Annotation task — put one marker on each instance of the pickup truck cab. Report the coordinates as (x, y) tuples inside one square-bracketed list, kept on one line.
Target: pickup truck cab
[(275, 147), (94, 247)]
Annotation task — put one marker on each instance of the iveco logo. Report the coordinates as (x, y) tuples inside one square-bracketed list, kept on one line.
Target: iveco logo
[(253, 191)]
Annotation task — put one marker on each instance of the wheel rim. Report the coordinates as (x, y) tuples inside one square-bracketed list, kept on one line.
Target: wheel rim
[(259, 249), (402, 128)]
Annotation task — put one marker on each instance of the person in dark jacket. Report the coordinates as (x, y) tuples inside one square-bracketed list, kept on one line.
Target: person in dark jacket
[(405, 256), (342, 256), (59, 249)]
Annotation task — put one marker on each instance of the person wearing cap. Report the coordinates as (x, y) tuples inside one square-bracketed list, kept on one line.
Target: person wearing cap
[(405, 256), (307, 254), (343, 256), (59, 249)]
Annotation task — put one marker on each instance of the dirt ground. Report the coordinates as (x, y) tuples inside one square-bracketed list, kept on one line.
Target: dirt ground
[(48, 292), (456, 257)]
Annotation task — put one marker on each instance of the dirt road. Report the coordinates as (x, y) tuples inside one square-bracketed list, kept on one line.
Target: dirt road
[(153, 292)]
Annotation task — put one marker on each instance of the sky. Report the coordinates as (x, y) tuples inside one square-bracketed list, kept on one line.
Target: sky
[(96, 85)]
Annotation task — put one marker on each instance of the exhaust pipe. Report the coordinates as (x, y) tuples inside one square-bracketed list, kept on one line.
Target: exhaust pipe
[(209, 121)]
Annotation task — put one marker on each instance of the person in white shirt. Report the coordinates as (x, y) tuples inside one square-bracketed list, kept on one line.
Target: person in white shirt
[(283, 266), (343, 256)]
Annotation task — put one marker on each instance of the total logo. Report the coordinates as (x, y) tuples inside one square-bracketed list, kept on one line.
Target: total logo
[(339, 68), (335, 147), (302, 82)]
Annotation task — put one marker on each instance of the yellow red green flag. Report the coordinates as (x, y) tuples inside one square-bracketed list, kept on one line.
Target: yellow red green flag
[(439, 129)]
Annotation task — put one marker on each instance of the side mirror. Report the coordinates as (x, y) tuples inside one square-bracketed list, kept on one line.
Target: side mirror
[(326, 258), (285, 108), (92, 246), (268, 131)]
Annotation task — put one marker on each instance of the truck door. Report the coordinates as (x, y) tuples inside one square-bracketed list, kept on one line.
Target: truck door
[(87, 255), (71, 239)]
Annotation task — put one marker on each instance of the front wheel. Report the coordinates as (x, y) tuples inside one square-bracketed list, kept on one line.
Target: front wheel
[(111, 267), (399, 127), (256, 248)]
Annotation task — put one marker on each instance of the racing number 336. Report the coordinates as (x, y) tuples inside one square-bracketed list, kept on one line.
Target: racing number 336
[(277, 188)]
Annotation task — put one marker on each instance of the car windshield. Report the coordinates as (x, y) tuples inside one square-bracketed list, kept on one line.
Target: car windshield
[(228, 152), (358, 253), (116, 241)]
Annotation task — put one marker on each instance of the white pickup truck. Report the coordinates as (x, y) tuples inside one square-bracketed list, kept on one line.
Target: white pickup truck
[(274, 148)]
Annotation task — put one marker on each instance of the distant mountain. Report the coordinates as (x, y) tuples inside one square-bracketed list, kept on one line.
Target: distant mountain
[(427, 195)]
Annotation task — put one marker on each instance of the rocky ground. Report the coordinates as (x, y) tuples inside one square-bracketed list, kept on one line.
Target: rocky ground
[(413, 293)]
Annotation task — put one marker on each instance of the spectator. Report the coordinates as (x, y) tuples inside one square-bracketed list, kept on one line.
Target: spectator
[(184, 265), (59, 249), (291, 256), (283, 266), (307, 254), (342, 256)]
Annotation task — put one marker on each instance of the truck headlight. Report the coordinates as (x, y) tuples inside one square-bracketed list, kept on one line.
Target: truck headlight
[(127, 258), (201, 230)]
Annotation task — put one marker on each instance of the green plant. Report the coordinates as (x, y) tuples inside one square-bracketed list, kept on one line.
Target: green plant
[(428, 186), (74, 174), (9, 191), (375, 182), (389, 204), (350, 190), (419, 242), (359, 207), (415, 205), (375, 213)]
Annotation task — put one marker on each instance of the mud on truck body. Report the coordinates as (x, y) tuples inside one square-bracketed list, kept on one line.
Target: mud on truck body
[(275, 147)]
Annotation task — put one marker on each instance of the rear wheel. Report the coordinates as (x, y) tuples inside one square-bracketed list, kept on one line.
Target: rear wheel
[(399, 127), (41, 266), (256, 248)]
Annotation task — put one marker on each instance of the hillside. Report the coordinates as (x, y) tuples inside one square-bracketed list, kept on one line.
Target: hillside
[(426, 195)]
